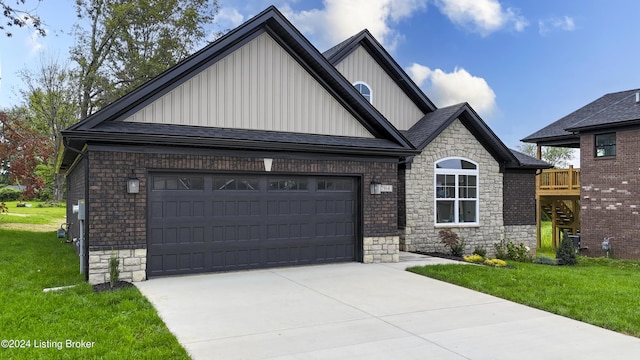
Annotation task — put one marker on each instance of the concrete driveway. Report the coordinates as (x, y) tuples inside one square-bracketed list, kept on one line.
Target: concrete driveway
[(364, 311)]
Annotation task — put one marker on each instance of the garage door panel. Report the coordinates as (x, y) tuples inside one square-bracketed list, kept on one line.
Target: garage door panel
[(244, 222)]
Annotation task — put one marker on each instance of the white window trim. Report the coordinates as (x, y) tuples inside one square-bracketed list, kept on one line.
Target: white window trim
[(456, 200), (368, 86)]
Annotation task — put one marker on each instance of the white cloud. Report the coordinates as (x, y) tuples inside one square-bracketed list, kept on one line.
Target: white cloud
[(459, 86), (481, 16), (33, 41), (230, 17), (564, 23), (346, 18)]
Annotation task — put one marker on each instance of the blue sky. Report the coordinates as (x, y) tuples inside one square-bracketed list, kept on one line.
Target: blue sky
[(521, 64)]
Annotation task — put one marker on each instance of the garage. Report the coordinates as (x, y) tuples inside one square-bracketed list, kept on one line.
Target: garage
[(224, 222)]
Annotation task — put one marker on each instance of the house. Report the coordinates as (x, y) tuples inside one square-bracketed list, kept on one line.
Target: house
[(606, 132), (259, 151)]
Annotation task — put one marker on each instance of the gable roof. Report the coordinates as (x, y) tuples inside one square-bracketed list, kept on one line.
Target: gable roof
[(364, 38), (610, 110), (434, 123), (277, 26)]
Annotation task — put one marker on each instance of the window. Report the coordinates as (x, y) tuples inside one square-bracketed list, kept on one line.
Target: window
[(178, 183), (365, 90), (605, 145), (287, 184), (236, 183), (456, 191)]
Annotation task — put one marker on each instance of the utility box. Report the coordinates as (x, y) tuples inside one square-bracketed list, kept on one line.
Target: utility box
[(81, 210)]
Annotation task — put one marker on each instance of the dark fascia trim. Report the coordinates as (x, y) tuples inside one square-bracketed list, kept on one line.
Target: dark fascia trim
[(609, 126), (572, 140), (273, 22), (234, 144), (246, 153), (387, 62)]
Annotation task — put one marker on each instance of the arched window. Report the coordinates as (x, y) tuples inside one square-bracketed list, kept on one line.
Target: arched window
[(364, 89), (456, 191)]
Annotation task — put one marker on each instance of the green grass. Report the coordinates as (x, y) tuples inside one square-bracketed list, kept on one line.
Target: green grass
[(602, 292), (37, 217), (546, 236), (122, 324)]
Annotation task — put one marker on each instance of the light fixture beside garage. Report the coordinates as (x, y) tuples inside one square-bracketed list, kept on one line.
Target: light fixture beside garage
[(133, 184), (376, 187)]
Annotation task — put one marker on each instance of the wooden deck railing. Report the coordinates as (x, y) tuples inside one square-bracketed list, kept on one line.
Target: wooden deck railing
[(560, 179)]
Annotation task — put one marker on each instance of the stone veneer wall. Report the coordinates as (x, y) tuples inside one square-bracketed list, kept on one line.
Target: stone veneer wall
[(133, 265), (381, 249), (525, 234), (421, 233)]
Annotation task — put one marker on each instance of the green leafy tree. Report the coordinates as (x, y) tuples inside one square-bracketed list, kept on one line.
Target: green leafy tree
[(49, 102), (120, 44), (558, 156), (18, 17)]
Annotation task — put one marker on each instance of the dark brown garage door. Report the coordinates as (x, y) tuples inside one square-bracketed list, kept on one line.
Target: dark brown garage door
[(203, 223)]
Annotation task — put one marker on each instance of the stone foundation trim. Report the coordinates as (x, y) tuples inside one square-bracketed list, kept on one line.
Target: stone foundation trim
[(133, 265), (381, 249)]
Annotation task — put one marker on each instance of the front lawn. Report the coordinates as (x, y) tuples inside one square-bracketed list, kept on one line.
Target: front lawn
[(602, 292), (109, 325)]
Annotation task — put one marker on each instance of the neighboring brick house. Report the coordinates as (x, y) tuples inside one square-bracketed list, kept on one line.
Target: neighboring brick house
[(607, 131), (259, 151)]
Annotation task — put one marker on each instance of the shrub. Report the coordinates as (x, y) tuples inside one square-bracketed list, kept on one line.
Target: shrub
[(566, 253), (475, 258), (495, 262), (9, 194), (545, 260), (510, 251), (114, 271), (480, 250), (449, 238)]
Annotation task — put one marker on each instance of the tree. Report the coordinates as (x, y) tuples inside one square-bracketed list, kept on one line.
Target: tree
[(50, 105), (22, 149), (557, 156), (129, 42), (19, 18)]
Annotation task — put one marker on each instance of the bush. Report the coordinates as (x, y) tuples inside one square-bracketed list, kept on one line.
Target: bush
[(480, 250), (453, 241), (475, 258), (545, 260), (566, 253), (495, 262), (114, 271), (510, 251), (9, 194)]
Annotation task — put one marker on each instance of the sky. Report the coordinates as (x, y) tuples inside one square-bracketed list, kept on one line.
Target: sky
[(521, 64)]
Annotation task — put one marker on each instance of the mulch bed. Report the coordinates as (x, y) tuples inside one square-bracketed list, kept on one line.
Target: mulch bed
[(441, 255), (107, 286)]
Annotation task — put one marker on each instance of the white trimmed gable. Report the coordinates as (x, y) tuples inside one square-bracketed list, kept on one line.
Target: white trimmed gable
[(388, 98), (259, 86)]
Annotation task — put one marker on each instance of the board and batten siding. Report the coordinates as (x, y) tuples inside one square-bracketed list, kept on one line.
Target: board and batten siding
[(388, 98), (259, 86)]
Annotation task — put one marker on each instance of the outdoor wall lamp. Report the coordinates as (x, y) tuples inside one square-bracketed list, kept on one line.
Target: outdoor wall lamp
[(376, 187), (133, 184)]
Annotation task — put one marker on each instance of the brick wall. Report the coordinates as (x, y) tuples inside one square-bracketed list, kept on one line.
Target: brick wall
[(420, 232), (519, 197), (118, 219), (610, 196), (75, 191)]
